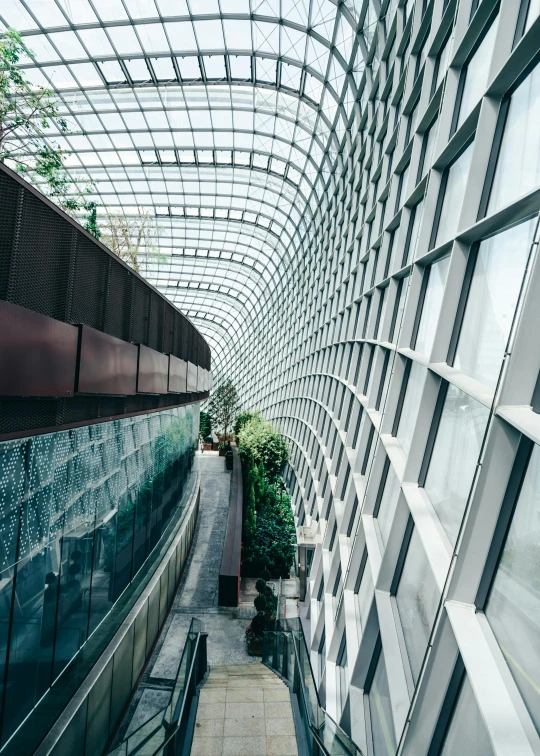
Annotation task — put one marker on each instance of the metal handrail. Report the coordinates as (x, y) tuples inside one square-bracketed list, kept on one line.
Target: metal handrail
[(170, 720), (318, 721)]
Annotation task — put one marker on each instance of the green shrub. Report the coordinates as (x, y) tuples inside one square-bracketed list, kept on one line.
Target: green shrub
[(265, 445), (260, 585), (260, 603), (265, 575), (241, 420)]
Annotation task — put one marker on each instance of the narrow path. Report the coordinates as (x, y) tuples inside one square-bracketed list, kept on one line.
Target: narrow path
[(197, 597), (244, 710)]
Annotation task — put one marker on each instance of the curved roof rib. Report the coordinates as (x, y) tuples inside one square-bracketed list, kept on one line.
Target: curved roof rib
[(220, 119)]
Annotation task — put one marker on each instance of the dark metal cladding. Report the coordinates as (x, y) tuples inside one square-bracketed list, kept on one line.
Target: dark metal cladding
[(153, 374), (107, 365), (177, 375), (38, 354)]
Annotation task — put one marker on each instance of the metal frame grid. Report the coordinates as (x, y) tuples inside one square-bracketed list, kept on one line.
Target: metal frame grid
[(317, 294)]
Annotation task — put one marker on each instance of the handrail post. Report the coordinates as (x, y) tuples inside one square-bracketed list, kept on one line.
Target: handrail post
[(203, 656)]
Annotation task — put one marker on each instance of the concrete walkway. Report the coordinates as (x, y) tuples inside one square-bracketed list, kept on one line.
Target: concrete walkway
[(197, 597), (244, 710)]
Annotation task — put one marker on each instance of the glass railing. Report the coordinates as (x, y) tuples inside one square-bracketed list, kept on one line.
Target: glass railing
[(167, 730), (286, 652)]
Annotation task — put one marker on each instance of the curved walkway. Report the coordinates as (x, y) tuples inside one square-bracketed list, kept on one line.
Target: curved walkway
[(197, 596)]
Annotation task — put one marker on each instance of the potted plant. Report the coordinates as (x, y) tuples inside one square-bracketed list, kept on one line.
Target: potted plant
[(254, 635)]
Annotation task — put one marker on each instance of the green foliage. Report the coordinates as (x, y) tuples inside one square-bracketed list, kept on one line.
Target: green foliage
[(266, 446), (260, 585), (241, 420), (223, 406), (258, 624), (265, 575), (250, 517), (260, 603), (206, 425), (272, 546), (27, 111)]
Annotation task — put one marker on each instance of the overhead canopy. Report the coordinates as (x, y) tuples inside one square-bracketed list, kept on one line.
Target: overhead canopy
[(219, 118)]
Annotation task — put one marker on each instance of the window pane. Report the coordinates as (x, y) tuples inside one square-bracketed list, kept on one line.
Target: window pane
[(518, 165), (388, 504), (514, 603), (411, 404), (382, 724), (491, 303), (477, 73), (453, 196), (454, 458), (432, 306), (467, 733), (417, 599)]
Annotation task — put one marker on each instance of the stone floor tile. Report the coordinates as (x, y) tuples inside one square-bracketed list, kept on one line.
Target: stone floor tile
[(277, 745), (243, 710), (244, 695), (280, 726), (255, 746), (277, 694), (207, 746), (277, 710), (212, 728), (244, 727), (211, 710), (213, 695)]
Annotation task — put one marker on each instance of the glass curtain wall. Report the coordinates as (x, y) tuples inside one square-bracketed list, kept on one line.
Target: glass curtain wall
[(81, 511)]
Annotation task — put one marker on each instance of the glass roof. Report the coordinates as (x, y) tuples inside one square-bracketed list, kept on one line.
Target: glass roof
[(220, 118)]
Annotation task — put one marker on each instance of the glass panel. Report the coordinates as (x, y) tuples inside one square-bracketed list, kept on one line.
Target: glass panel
[(458, 174), (411, 405), (476, 77), (432, 306), (365, 594), (467, 732), (76, 504), (455, 455), (495, 286), (417, 599), (513, 608), (380, 707), (518, 164), (388, 505)]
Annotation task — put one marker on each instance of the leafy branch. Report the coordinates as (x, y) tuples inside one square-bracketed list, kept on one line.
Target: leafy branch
[(27, 111)]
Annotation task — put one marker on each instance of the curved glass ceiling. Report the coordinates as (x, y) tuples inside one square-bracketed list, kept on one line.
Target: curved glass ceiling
[(219, 118)]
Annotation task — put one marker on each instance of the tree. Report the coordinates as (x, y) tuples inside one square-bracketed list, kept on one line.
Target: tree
[(132, 238), (26, 111), (267, 446), (223, 407), (205, 425)]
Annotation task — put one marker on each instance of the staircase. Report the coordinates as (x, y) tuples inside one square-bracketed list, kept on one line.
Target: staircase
[(244, 710)]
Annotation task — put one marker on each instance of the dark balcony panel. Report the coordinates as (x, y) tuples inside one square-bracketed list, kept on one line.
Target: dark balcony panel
[(38, 354), (153, 375), (177, 375), (107, 365), (191, 377)]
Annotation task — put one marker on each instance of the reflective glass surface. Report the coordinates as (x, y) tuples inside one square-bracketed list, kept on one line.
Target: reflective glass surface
[(495, 287), (432, 306), (411, 405), (476, 76), (513, 608), (380, 707), (81, 511), (466, 732), (518, 164), (455, 455), (388, 504), (458, 173), (417, 598)]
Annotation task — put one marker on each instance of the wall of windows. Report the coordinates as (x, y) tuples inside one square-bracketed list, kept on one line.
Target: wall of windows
[(81, 511)]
